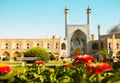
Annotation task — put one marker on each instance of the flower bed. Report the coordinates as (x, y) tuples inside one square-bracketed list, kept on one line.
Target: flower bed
[(83, 70)]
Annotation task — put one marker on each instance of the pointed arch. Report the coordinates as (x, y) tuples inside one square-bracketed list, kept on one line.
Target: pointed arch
[(118, 53), (78, 40), (6, 56), (95, 46), (16, 54), (63, 46), (102, 45)]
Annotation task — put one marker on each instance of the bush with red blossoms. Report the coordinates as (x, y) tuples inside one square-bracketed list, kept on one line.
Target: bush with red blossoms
[(4, 69), (98, 68), (67, 65), (83, 59), (6, 76), (39, 62)]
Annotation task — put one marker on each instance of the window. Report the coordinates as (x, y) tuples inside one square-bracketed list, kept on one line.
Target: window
[(17, 46), (117, 45), (48, 45), (109, 45), (6, 45), (28, 45), (56, 45), (63, 46), (38, 45), (102, 45), (95, 46)]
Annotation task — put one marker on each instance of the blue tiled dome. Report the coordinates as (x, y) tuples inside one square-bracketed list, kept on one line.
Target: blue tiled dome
[(115, 29)]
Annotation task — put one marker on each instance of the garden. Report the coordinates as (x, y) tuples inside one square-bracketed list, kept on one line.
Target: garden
[(84, 69)]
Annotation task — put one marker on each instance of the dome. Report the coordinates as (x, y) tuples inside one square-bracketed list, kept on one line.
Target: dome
[(115, 29)]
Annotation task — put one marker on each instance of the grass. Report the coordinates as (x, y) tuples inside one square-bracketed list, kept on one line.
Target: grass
[(11, 63), (54, 62), (19, 63)]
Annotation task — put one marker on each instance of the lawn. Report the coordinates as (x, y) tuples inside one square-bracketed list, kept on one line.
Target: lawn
[(19, 63)]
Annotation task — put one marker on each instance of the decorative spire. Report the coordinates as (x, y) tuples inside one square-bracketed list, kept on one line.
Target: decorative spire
[(88, 7), (66, 7), (66, 11), (88, 15), (98, 31), (88, 10), (92, 37), (98, 26)]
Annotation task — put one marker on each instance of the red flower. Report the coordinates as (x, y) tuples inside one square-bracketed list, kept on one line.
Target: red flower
[(39, 62), (83, 59), (98, 68), (4, 69), (67, 65)]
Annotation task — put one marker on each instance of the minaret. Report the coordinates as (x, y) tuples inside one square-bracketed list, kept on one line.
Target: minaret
[(88, 15), (89, 29), (66, 20), (92, 37), (98, 31)]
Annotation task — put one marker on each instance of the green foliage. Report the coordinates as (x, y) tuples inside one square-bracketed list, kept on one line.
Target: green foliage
[(57, 74), (61, 74), (52, 56), (19, 55), (6, 58), (77, 73), (103, 52), (37, 52)]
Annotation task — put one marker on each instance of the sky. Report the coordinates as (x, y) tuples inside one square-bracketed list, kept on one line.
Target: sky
[(45, 18)]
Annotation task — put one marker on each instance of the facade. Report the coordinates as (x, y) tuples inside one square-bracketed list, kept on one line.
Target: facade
[(77, 39), (110, 42), (12, 48), (78, 36)]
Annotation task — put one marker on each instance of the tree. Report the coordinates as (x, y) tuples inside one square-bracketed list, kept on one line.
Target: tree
[(52, 57), (37, 52), (103, 52)]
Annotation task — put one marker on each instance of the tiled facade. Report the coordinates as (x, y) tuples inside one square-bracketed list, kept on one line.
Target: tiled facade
[(14, 47)]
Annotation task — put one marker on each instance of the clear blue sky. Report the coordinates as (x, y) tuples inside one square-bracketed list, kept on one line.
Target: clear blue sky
[(44, 18)]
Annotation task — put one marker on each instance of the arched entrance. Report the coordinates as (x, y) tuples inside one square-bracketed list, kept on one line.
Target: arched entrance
[(17, 54), (78, 41), (118, 53), (63, 46), (6, 56)]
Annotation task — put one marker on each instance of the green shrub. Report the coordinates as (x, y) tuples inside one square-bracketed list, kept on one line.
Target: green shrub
[(6, 59), (37, 52)]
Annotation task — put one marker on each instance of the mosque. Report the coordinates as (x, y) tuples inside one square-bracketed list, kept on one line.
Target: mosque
[(77, 37), (80, 38)]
